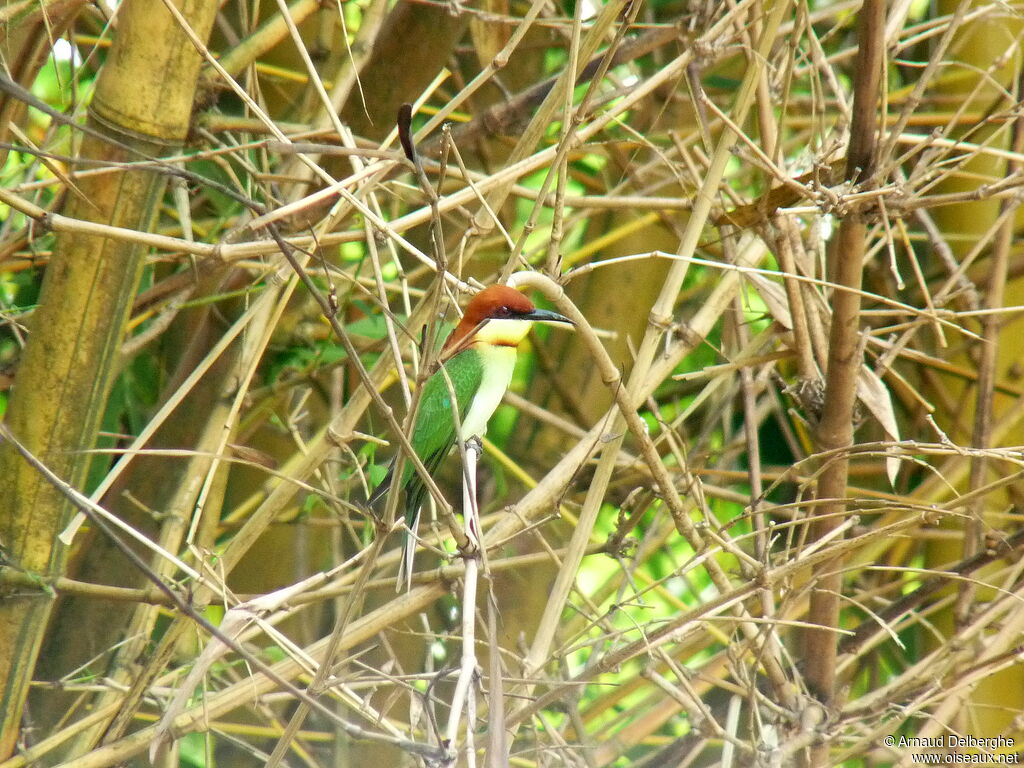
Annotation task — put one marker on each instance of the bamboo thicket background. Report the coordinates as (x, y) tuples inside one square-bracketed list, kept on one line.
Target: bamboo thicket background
[(764, 509)]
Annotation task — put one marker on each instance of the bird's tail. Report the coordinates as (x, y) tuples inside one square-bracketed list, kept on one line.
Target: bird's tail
[(408, 553), (412, 519)]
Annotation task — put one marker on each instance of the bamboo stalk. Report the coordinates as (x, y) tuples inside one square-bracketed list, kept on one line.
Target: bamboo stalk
[(144, 101), (835, 430)]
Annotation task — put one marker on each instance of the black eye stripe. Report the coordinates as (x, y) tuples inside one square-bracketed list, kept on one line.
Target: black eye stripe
[(505, 312)]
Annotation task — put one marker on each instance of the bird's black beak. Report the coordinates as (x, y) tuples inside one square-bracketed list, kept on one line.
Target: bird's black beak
[(546, 316)]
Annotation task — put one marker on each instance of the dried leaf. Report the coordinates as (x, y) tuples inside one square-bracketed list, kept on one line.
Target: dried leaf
[(489, 37), (774, 297), (875, 395)]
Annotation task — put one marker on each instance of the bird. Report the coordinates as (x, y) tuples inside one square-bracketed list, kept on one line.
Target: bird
[(475, 364)]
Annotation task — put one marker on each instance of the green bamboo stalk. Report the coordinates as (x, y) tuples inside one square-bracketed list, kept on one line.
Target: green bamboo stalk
[(143, 102)]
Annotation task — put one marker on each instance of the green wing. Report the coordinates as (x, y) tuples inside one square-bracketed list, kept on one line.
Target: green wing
[(434, 433)]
